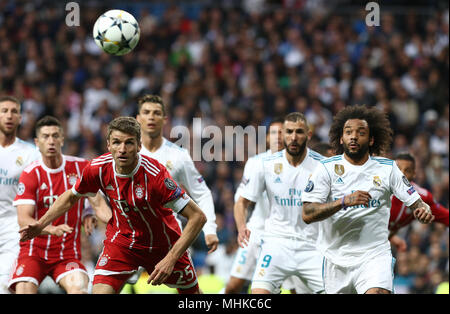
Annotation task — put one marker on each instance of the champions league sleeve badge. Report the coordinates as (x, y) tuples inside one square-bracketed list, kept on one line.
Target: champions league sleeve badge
[(310, 186)]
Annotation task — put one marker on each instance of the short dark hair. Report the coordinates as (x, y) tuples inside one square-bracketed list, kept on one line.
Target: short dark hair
[(405, 156), (47, 121), (273, 121), (379, 128), (153, 99), (13, 99), (128, 125), (295, 117)]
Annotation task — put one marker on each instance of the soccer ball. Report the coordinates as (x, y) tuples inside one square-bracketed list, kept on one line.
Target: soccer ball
[(116, 32)]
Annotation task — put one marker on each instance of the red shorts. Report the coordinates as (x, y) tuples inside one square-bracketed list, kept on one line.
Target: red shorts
[(35, 269), (117, 263)]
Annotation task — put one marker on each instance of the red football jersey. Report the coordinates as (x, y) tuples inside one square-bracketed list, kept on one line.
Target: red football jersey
[(401, 215), (143, 202), (41, 186)]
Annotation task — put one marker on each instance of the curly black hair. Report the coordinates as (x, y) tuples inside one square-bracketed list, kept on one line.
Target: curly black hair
[(379, 128)]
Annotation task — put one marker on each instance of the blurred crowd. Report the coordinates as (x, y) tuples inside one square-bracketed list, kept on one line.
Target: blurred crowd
[(244, 64)]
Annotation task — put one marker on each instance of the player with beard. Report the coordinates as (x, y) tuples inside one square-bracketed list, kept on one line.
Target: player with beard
[(15, 155), (288, 245), (350, 194)]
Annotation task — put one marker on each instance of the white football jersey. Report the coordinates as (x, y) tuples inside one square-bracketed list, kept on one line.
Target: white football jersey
[(14, 158), (261, 211), (284, 184), (357, 232), (181, 167)]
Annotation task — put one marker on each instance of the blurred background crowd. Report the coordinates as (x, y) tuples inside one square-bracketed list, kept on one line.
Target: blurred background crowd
[(243, 63)]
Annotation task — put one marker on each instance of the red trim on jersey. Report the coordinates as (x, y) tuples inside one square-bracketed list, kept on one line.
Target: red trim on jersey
[(140, 218), (42, 186)]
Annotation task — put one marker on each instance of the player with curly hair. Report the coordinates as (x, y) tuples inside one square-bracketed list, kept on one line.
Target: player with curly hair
[(351, 194)]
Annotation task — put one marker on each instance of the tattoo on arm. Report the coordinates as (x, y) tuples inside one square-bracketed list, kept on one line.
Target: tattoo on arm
[(315, 211)]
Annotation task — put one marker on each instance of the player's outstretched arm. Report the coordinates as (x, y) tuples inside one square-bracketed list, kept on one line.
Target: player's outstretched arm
[(422, 211), (313, 212), (195, 221), (25, 216), (240, 217), (62, 204)]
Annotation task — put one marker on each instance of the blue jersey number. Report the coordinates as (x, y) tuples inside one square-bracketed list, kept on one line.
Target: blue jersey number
[(267, 258)]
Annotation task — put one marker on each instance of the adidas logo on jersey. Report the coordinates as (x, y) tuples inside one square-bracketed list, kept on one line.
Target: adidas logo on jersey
[(339, 181), (277, 180), (109, 187), (44, 186)]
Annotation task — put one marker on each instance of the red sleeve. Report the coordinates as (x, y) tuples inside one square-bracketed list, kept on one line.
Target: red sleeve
[(170, 194), (26, 189), (440, 212), (89, 183)]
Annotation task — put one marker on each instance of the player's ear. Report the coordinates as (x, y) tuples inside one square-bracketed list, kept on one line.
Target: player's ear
[(371, 141), (139, 145)]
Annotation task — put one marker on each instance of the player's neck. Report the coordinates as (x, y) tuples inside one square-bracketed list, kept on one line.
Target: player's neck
[(7, 139), (357, 162), (126, 170), (295, 160), (53, 162), (152, 144)]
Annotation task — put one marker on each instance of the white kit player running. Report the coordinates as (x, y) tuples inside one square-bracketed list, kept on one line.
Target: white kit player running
[(350, 194), (152, 117), (245, 261), (288, 244), (15, 155)]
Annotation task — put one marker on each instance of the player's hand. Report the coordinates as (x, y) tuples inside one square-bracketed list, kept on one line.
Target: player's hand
[(59, 230), (89, 224), (162, 271), (243, 236), (423, 215), (398, 243), (357, 198), (212, 242), (30, 231)]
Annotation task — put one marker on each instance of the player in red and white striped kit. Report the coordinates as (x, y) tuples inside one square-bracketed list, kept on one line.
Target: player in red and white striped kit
[(57, 251), (402, 215), (143, 230)]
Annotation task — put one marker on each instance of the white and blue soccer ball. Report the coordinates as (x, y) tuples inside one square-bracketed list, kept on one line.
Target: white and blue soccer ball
[(116, 32)]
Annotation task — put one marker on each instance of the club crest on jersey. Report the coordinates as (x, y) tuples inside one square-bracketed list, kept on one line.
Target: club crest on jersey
[(20, 188), (278, 168), (72, 178), (169, 165), (339, 169), (170, 184), (19, 161), (376, 181), (103, 260), (139, 191)]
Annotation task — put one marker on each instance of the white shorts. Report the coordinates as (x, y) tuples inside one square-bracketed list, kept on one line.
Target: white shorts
[(376, 272), (9, 250), (294, 283), (281, 258), (245, 261)]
